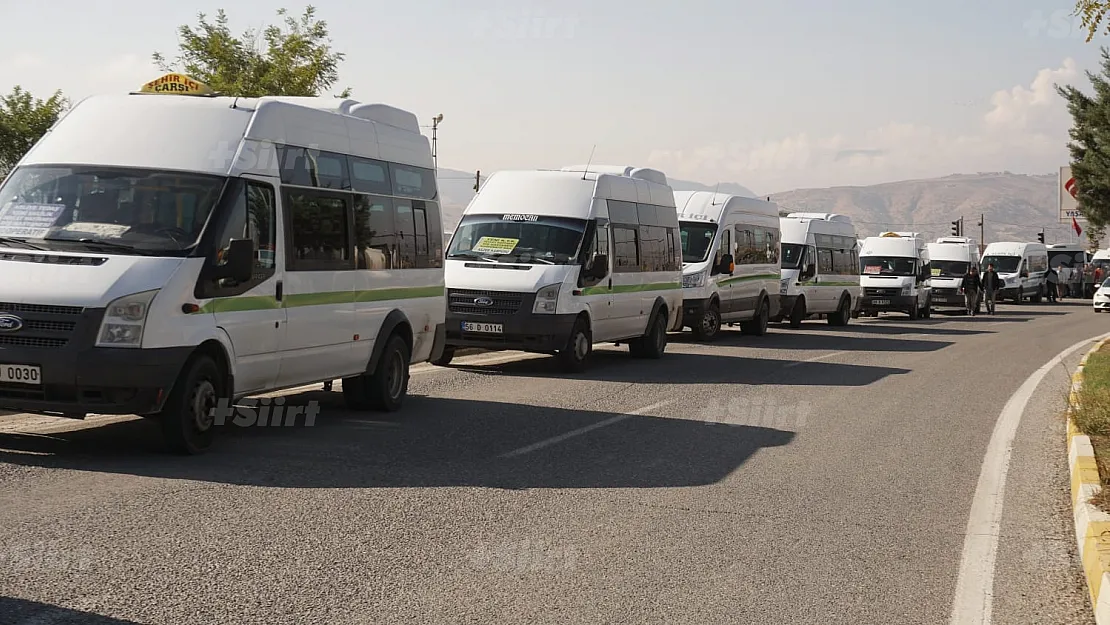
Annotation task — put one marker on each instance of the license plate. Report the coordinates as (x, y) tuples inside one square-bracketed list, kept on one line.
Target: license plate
[(880, 302), (487, 328), (20, 374)]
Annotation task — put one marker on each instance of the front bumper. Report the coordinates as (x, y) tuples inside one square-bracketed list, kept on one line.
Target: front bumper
[(1101, 304), (947, 297), (521, 328), (888, 302), (692, 312), (77, 378)]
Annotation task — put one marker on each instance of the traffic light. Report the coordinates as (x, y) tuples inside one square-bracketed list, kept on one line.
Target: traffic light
[(1040, 236), (956, 228)]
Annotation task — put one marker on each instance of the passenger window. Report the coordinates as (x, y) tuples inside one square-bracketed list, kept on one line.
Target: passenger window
[(370, 176), (626, 258), (295, 167), (330, 170), (318, 231), (420, 216), (724, 247), (415, 182), (406, 233), (435, 236), (375, 241)]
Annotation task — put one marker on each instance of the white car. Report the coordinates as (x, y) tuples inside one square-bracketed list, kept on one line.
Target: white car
[(1102, 296)]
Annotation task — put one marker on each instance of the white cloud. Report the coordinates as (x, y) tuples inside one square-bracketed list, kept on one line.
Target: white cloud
[(1025, 130)]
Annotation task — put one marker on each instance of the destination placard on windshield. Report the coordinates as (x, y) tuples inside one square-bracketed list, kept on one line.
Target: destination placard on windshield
[(495, 245), (29, 220)]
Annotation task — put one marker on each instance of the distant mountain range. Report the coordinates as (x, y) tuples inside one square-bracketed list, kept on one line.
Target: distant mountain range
[(1015, 207)]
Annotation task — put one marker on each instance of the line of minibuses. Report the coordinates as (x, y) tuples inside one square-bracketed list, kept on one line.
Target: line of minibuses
[(283, 241)]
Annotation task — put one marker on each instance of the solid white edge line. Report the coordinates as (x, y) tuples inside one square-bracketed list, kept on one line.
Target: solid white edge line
[(974, 597), (814, 359), (582, 430)]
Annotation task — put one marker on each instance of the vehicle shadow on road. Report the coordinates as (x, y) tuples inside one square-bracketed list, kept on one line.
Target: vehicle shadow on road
[(802, 340), (439, 443), (617, 365), (23, 612)]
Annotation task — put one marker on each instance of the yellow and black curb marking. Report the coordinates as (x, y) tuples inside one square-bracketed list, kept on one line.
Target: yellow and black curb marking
[(1092, 525)]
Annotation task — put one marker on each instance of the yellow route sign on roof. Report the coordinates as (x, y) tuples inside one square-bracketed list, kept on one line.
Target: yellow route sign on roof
[(177, 84)]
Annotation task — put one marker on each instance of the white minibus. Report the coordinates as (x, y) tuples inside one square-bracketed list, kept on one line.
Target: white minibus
[(1021, 266), (171, 249), (950, 258), (555, 261), (819, 268), (730, 262), (894, 275)]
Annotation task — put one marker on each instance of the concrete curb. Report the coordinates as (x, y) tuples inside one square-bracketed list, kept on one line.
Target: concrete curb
[(1092, 525)]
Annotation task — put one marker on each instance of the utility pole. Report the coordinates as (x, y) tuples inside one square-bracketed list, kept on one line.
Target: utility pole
[(982, 235), (435, 126), (477, 180)]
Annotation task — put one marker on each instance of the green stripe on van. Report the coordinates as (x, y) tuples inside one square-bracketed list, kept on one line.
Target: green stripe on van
[(267, 302), (630, 288), (763, 276)]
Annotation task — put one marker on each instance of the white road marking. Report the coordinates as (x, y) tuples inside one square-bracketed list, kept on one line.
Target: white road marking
[(973, 601), (814, 359), (582, 430)]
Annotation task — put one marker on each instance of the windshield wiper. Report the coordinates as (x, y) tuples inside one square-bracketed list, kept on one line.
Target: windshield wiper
[(23, 242), (121, 247), (474, 255)]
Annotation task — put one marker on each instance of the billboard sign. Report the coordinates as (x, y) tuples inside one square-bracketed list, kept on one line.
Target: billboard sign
[(1066, 201)]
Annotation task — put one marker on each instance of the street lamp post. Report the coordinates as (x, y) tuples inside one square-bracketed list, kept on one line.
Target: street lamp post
[(435, 126)]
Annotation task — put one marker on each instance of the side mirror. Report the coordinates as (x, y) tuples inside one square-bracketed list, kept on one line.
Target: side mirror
[(1024, 273), (240, 262), (728, 264), (598, 267), (807, 273)]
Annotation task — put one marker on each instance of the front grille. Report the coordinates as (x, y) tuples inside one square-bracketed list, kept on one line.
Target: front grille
[(44, 326), (945, 291), (504, 302), (874, 291)]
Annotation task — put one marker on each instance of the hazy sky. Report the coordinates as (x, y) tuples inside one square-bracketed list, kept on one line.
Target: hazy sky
[(772, 95)]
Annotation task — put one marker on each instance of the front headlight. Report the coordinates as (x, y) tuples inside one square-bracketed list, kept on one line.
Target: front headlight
[(906, 289), (124, 320), (547, 300), (693, 280), (784, 286)]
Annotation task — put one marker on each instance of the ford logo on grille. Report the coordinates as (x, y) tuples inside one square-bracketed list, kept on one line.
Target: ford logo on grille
[(10, 323), (483, 301)]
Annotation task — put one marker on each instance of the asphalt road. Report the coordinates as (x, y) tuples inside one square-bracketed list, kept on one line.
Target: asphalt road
[(820, 475)]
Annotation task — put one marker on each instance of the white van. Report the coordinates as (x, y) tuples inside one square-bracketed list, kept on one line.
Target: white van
[(819, 268), (555, 261), (894, 274), (730, 262), (1021, 266), (950, 258), (170, 249), (1101, 258)]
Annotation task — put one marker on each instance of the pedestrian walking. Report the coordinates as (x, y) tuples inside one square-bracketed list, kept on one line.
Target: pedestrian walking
[(992, 284), (970, 288), (1052, 284)]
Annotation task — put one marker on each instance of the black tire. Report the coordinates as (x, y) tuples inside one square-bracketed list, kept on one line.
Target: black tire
[(1036, 299), (928, 311), (843, 312), (915, 313), (575, 355), (383, 390), (1020, 295), (654, 343), (709, 327), (798, 313), (758, 325), (187, 419), (445, 358)]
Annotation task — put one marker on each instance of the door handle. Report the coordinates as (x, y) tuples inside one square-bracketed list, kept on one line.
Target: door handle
[(278, 291)]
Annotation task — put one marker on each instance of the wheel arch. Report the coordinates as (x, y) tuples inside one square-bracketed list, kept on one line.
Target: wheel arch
[(396, 322)]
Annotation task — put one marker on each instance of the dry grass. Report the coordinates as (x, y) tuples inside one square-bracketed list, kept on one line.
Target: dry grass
[(1092, 417)]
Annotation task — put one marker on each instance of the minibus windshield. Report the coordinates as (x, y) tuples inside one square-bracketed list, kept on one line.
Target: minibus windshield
[(1002, 264), (119, 209), (697, 239), (949, 268), (791, 255), (886, 266), (519, 238)]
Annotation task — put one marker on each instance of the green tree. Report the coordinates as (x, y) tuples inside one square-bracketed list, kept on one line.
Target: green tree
[(294, 58), (1090, 144), (24, 119), (1093, 12)]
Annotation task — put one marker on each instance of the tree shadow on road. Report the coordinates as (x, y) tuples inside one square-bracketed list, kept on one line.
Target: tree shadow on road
[(439, 443), (23, 612)]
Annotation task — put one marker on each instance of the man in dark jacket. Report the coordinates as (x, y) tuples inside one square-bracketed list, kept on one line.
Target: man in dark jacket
[(992, 284), (970, 288), (1052, 284)]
